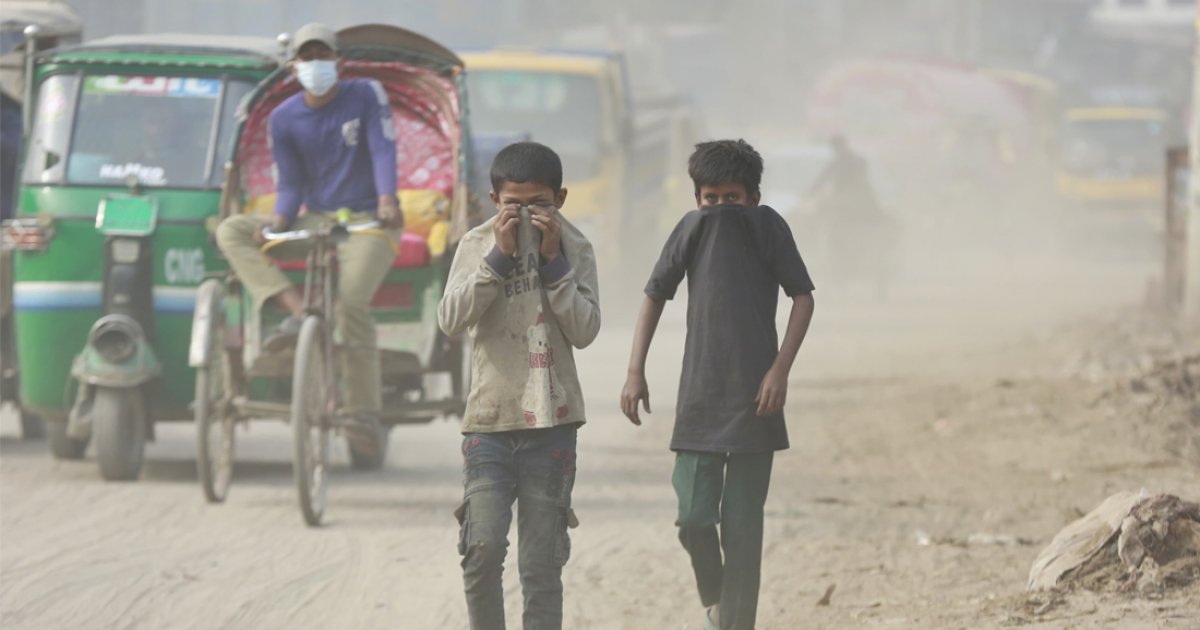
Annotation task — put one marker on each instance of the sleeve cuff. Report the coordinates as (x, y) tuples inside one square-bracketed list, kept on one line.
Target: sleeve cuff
[(499, 262), (653, 291), (798, 288), (555, 270)]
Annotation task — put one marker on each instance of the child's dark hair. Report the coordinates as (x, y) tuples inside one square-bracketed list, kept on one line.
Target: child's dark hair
[(724, 162), (524, 162)]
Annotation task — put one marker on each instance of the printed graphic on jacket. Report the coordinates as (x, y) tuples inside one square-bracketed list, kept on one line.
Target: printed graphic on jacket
[(543, 400)]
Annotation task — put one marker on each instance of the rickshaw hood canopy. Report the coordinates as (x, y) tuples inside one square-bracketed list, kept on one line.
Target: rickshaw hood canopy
[(384, 42)]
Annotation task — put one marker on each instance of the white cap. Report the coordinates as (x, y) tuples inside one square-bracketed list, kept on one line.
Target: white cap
[(314, 32)]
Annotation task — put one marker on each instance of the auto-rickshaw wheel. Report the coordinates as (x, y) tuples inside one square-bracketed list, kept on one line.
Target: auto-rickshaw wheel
[(214, 423), (32, 427), (119, 424), (312, 394), (63, 446)]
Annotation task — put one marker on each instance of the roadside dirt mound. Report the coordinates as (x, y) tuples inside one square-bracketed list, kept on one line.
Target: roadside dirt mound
[(1129, 544), (1148, 369), (1166, 400)]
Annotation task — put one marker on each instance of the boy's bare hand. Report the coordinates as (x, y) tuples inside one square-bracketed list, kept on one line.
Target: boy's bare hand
[(551, 229), (772, 394), (504, 228), (636, 390)]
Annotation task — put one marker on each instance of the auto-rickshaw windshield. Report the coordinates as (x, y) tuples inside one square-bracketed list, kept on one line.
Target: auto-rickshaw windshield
[(561, 110), (169, 131), (1135, 144)]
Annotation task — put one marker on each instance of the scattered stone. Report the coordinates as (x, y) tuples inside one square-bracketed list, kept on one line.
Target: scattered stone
[(1003, 540), (828, 596), (974, 540)]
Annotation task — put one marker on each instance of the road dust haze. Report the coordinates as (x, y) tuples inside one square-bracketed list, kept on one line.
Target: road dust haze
[(963, 393)]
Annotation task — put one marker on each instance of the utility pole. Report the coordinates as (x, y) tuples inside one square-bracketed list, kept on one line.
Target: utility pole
[(1192, 273)]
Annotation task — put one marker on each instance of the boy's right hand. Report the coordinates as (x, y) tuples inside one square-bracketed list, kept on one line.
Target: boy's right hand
[(636, 390), (504, 228)]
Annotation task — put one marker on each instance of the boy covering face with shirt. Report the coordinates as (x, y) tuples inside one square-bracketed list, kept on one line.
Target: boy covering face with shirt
[(729, 422)]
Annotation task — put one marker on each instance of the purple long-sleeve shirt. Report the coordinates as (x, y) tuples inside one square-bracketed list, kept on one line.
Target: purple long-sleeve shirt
[(342, 155)]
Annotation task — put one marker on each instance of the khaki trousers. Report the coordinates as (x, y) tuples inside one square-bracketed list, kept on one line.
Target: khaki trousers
[(363, 262)]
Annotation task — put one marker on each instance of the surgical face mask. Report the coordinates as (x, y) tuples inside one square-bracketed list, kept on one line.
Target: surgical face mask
[(318, 77)]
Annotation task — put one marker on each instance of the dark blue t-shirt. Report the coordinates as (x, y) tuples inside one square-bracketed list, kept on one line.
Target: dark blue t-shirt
[(342, 155), (735, 259)]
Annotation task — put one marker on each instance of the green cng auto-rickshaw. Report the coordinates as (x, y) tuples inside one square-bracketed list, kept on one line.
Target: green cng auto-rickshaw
[(124, 162)]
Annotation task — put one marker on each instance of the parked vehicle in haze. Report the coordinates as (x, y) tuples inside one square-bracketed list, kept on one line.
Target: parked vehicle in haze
[(26, 26), (124, 165), (619, 153), (1112, 155)]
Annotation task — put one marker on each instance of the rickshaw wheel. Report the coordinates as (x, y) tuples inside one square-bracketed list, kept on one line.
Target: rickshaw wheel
[(214, 424), (63, 446), (120, 427), (312, 394), (32, 427)]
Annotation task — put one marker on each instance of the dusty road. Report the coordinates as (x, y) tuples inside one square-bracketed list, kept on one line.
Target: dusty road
[(956, 409)]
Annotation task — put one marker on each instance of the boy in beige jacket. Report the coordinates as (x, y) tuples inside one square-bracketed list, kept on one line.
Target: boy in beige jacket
[(523, 286)]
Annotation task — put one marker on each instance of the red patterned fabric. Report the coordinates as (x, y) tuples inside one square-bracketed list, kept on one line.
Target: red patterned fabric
[(425, 110), (399, 295)]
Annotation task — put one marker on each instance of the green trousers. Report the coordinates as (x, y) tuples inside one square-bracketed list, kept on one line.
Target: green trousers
[(363, 262), (730, 490)]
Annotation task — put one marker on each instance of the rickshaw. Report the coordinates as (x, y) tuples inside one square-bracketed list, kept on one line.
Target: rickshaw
[(26, 27), (425, 374), (123, 165)]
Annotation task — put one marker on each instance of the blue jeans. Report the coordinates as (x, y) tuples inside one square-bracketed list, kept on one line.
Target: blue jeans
[(535, 468)]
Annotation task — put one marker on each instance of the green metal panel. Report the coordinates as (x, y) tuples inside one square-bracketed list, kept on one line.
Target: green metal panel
[(127, 215), (57, 291), (47, 342), (125, 62)]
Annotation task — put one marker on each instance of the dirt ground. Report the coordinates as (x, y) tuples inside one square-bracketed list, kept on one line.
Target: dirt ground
[(940, 439)]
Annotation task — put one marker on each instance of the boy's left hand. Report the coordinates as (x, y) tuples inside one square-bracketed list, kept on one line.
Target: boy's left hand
[(772, 394), (551, 229)]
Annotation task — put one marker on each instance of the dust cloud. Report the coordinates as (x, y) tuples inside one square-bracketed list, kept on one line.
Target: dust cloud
[(985, 254)]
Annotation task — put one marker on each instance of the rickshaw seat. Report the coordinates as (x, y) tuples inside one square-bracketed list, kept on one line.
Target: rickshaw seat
[(414, 253)]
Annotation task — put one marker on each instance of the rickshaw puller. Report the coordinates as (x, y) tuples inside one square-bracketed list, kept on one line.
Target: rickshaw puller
[(334, 146)]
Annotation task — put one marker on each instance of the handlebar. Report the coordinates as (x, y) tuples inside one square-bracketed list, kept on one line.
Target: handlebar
[(300, 235)]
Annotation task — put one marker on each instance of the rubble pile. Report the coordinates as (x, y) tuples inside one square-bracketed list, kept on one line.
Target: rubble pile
[(1131, 543), (1167, 401)]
